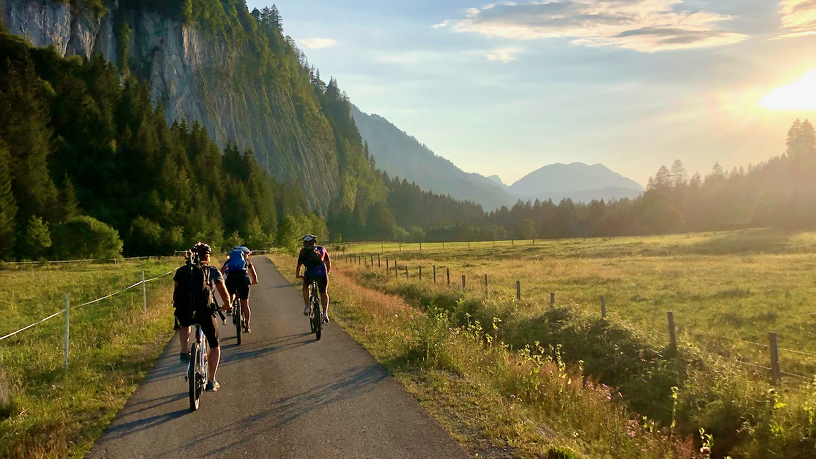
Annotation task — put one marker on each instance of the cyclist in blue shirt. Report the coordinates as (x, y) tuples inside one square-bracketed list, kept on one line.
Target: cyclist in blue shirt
[(240, 275), (318, 266)]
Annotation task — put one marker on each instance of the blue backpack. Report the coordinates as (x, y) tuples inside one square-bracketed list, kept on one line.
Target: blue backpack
[(236, 262)]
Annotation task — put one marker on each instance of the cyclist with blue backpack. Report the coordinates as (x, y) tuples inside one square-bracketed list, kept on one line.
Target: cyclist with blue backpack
[(240, 275)]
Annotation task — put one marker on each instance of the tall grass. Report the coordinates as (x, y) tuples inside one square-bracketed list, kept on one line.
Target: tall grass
[(59, 412)]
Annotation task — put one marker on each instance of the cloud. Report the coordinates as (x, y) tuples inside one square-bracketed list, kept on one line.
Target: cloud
[(504, 55), (315, 43), (799, 17), (640, 25)]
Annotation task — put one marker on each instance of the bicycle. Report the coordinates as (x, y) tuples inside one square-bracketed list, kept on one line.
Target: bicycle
[(315, 318), (237, 319), (197, 368)]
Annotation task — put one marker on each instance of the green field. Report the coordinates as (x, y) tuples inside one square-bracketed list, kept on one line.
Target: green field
[(740, 285), (51, 411), (727, 291)]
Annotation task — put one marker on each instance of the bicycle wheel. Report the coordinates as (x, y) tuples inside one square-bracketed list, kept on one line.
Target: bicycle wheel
[(238, 320), (317, 318), (193, 377)]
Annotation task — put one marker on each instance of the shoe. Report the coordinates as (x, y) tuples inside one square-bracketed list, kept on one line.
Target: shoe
[(184, 358), (325, 317), (247, 330), (307, 310), (212, 386)]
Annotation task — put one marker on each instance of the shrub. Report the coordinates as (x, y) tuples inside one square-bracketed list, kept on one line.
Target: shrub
[(86, 237)]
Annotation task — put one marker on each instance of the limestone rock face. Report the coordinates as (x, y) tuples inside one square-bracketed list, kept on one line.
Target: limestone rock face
[(196, 77)]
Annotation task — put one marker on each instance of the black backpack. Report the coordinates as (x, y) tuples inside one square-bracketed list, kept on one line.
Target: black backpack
[(311, 257), (193, 291)]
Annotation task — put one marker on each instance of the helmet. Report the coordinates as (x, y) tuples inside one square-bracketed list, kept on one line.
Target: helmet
[(310, 238), (201, 248), (242, 249)]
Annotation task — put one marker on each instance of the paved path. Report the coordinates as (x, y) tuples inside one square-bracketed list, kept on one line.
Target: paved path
[(283, 395)]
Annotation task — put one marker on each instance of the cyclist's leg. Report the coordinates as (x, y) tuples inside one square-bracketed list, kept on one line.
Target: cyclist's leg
[(244, 296), (306, 294), (184, 335), (323, 285), (210, 329)]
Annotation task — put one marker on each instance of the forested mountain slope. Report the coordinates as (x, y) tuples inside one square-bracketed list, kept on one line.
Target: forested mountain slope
[(207, 61), (558, 181), (401, 155)]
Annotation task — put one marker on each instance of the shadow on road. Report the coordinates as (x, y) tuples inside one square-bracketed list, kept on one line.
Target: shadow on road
[(234, 353), (350, 384)]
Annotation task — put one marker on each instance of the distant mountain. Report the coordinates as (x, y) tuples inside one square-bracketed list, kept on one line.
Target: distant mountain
[(578, 181), (498, 180), (400, 154)]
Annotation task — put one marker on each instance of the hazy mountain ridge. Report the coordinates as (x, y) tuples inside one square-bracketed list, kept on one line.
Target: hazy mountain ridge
[(400, 154)]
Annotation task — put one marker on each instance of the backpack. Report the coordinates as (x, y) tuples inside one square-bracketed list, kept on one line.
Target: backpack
[(311, 257), (193, 291), (236, 261)]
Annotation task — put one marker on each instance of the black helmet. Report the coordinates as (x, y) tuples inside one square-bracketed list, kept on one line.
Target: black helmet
[(310, 238), (201, 248)]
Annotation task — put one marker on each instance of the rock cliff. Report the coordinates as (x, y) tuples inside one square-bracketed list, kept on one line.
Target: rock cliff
[(196, 76)]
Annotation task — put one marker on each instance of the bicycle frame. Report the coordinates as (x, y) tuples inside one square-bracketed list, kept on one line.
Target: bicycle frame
[(237, 319), (315, 318)]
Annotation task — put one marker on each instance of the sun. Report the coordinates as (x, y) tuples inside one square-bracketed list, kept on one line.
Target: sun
[(800, 95)]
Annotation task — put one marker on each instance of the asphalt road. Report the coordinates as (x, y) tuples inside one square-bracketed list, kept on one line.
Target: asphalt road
[(283, 395)]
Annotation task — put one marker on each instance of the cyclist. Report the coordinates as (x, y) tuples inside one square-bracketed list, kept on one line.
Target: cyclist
[(318, 266), (240, 275), (193, 298)]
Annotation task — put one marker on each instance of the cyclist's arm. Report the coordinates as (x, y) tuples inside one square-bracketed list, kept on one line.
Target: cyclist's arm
[(328, 263), (297, 271), (224, 268), (253, 276), (222, 290)]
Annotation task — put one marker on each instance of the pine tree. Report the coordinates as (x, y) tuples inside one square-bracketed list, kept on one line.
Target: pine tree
[(8, 205)]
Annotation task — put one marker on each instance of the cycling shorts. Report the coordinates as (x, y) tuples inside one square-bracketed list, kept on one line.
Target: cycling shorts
[(208, 325), (239, 284), (322, 281)]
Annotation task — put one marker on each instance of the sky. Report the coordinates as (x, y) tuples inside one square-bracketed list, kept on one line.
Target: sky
[(506, 88)]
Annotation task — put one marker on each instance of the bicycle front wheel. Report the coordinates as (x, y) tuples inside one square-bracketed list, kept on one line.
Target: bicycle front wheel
[(194, 376)]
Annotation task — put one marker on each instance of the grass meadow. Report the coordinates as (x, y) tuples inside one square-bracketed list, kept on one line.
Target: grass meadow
[(727, 291), (52, 412)]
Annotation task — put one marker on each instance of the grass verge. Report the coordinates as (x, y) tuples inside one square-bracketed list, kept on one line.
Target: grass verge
[(56, 412)]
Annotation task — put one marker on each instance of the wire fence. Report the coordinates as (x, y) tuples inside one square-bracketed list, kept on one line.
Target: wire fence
[(375, 260), (67, 309)]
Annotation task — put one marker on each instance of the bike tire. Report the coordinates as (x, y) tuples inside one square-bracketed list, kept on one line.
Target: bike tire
[(317, 319), (239, 325), (193, 378)]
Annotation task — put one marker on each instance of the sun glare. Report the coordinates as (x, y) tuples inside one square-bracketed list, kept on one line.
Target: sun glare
[(797, 96)]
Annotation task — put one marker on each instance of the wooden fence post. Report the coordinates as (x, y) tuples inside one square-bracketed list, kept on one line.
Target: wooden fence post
[(485, 285), (67, 327), (463, 281), (406, 272), (518, 290), (777, 373), (420, 272), (552, 299), (448, 270), (603, 306), (672, 332), (372, 261), (387, 266), (378, 261), (468, 245), (144, 295), (420, 246), (434, 273)]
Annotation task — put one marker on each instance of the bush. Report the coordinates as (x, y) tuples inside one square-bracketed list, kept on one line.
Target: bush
[(86, 237)]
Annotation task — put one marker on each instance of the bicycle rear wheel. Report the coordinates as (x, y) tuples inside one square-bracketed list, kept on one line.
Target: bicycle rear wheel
[(238, 320), (317, 318), (194, 376)]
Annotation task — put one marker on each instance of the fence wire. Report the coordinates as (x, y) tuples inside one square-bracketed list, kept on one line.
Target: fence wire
[(86, 304)]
